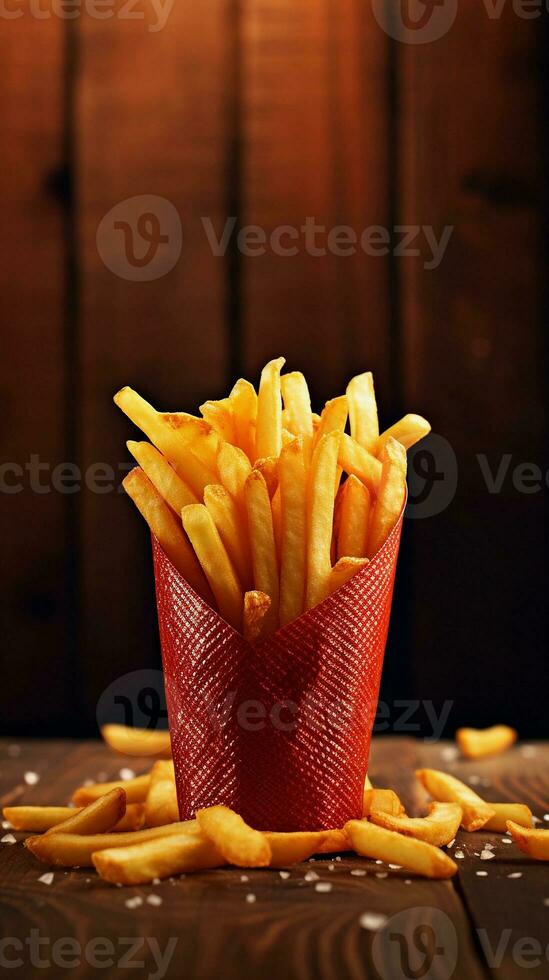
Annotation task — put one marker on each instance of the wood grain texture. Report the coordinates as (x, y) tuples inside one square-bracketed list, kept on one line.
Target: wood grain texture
[(290, 928)]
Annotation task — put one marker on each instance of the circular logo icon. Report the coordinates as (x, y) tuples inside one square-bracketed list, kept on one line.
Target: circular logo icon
[(140, 238), (432, 477), (415, 21), (136, 699), (416, 944)]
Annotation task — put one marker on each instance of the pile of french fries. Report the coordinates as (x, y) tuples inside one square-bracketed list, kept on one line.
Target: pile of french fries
[(263, 506), (131, 832)]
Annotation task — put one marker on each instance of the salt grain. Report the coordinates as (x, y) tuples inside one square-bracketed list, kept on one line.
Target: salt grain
[(528, 751), (506, 840), (359, 872), (47, 878), (31, 778), (311, 876), (126, 774), (546, 901), (459, 855), (515, 874), (6, 825), (486, 855), (449, 752), (156, 881), (482, 874), (284, 874), (250, 898), (452, 842), (381, 874), (372, 921), (323, 886), (474, 780), (154, 900), (133, 903), (546, 817), (395, 867), (378, 861), (244, 878), (331, 867), (407, 881), (8, 839), (338, 857)]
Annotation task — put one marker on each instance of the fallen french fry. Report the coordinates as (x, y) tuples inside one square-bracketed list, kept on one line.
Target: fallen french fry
[(237, 842), (381, 801), (215, 562), (518, 813), (363, 411), (353, 511), (293, 847), (136, 790), (345, 569), (407, 431), (390, 497), (297, 404), (476, 743), (161, 805), (39, 819), (268, 440), (162, 475), (136, 741), (256, 608), (447, 789), (263, 545), (233, 531), (320, 514), (293, 545), (438, 828), (142, 863), (75, 850), (97, 817), (167, 529), (243, 400), (408, 852), (357, 461), (534, 843)]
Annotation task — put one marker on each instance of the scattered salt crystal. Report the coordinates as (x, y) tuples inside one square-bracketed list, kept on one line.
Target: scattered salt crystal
[(546, 901), (506, 840), (489, 846), (459, 855), (338, 857), (528, 751), (372, 921), (244, 878), (546, 817), (88, 782), (536, 820), (482, 874), (14, 751), (378, 861), (46, 878), (331, 867), (250, 898), (487, 855), (31, 778), (474, 780), (407, 881), (323, 886), (126, 774), (449, 752), (133, 903), (154, 900), (284, 874), (6, 825), (452, 842), (515, 874), (8, 839), (381, 874), (395, 867), (311, 876), (359, 872), (156, 881)]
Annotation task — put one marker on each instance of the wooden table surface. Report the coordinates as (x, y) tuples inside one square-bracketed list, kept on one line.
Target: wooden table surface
[(207, 925)]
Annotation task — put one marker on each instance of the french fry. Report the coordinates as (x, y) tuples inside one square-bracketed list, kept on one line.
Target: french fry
[(269, 470), (333, 418), (39, 819), (357, 461), (136, 790), (534, 843), (133, 819), (162, 475), (167, 529), (293, 545), (136, 741), (142, 863), (447, 789), (381, 801), (334, 841), (215, 562), (438, 828), (97, 817), (407, 431), (363, 410), (353, 511), (297, 404), (516, 812), (268, 440), (237, 842), (75, 850), (476, 743), (344, 571), (293, 847), (390, 496), (386, 845), (219, 415), (276, 510), (263, 545), (256, 608), (320, 518), (243, 400), (161, 805), (234, 469), (232, 530)]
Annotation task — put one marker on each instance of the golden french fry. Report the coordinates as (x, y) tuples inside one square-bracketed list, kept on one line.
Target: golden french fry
[(263, 545), (334, 840), (333, 418), (256, 607), (386, 845), (438, 828), (407, 431), (276, 510), (447, 789), (39, 819), (215, 562), (516, 812), (167, 529), (162, 475), (297, 404), (161, 805), (136, 790), (345, 569), (97, 817), (293, 847), (475, 743), (357, 461), (320, 518), (534, 843), (219, 415), (234, 469), (237, 842), (233, 531), (268, 439), (363, 410), (293, 545), (133, 819), (142, 863), (75, 850), (353, 512), (390, 496), (243, 400), (381, 801), (269, 470), (136, 741)]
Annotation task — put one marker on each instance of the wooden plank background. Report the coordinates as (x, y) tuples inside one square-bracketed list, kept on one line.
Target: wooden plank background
[(272, 112)]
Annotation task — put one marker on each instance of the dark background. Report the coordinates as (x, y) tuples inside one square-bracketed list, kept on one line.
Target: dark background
[(273, 110)]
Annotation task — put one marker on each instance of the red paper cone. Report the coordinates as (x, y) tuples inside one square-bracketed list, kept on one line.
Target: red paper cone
[(279, 732)]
